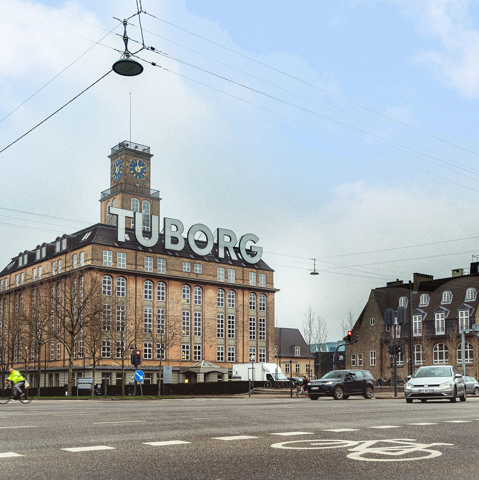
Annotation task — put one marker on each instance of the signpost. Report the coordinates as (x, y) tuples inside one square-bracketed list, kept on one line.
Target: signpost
[(84, 383), (139, 376)]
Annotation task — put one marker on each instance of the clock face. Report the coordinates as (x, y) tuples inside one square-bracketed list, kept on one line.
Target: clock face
[(137, 168), (117, 169)]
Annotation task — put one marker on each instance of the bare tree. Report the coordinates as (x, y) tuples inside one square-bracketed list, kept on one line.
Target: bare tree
[(347, 323), (315, 331)]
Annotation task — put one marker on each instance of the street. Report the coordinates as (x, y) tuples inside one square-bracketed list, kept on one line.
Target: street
[(241, 437)]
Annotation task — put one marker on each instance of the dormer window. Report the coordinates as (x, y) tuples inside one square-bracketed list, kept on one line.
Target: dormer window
[(471, 294), (20, 260), (64, 243), (57, 245), (25, 258), (424, 300), (297, 351), (403, 302), (44, 251), (446, 297)]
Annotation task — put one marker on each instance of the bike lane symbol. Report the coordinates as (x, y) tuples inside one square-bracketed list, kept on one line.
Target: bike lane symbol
[(394, 450)]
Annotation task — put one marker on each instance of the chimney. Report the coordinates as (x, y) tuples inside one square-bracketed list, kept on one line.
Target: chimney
[(458, 272), (394, 284), (421, 277), (474, 267)]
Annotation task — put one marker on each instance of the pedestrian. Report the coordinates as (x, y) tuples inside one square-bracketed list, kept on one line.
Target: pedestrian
[(305, 384)]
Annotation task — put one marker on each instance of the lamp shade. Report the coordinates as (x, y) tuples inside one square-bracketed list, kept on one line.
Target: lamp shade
[(127, 67)]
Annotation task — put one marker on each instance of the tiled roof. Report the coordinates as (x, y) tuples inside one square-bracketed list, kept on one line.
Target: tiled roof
[(286, 339)]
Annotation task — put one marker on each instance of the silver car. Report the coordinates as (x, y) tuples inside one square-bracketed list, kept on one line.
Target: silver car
[(435, 382), (472, 385)]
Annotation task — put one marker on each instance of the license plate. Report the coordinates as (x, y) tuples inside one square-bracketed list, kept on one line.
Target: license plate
[(314, 388), (426, 390)]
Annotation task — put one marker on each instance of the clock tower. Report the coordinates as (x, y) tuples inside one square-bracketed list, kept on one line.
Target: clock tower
[(130, 175)]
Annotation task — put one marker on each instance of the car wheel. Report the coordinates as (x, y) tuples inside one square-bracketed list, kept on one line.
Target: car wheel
[(453, 399), (423, 400), (338, 393), (345, 397), (408, 400), (368, 393), (463, 397), (476, 391), (314, 397)]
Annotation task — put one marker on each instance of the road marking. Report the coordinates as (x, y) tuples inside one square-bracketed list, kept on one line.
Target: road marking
[(125, 421), (387, 426), (20, 426), (337, 430), (422, 423), (238, 437), (10, 454), (88, 449), (457, 421), (171, 442), (288, 434)]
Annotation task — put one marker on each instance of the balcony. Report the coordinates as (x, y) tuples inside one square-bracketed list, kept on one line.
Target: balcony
[(131, 145), (129, 188)]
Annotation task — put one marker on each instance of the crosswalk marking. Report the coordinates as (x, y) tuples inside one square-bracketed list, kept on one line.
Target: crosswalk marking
[(387, 426), (10, 454), (290, 434), (422, 423), (170, 442), (88, 449), (122, 422), (457, 421), (20, 426), (341, 430), (237, 437)]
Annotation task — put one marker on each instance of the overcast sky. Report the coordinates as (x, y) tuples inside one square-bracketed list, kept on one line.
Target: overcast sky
[(341, 131)]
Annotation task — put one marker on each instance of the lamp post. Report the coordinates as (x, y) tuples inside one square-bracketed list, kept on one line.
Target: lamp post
[(45, 373), (252, 359), (37, 377)]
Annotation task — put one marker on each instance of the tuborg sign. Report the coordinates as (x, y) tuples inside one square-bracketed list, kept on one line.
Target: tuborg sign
[(226, 239)]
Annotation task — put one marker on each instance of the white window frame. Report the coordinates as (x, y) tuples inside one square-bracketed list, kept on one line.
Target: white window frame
[(186, 267), (440, 323), (231, 275), (107, 258), (220, 273), (198, 268), (252, 278), (148, 264), (161, 265), (372, 358)]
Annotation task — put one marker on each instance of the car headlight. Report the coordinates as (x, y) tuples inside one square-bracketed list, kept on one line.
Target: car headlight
[(446, 384), (408, 385), (329, 383)]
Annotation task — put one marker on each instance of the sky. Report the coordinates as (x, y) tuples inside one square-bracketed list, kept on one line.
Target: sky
[(343, 134)]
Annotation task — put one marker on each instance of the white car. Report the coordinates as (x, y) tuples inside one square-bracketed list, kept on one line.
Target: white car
[(435, 382)]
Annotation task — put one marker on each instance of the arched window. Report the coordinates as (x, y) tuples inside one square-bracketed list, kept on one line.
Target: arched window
[(106, 285), (231, 299), (470, 294), (160, 292), (114, 203), (418, 354), (262, 303), (198, 296), (108, 216), (440, 354), (403, 302), (424, 300), (446, 297), (220, 298), (469, 357), (146, 215), (252, 301), (135, 207), (121, 287), (186, 294), (148, 290)]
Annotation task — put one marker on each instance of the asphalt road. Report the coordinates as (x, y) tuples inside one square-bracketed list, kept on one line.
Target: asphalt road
[(239, 438)]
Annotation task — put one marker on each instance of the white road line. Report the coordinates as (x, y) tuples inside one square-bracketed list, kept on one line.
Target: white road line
[(457, 421), (387, 426), (290, 434), (20, 426), (10, 454), (238, 437), (422, 423), (88, 449), (341, 430), (125, 421), (171, 442)]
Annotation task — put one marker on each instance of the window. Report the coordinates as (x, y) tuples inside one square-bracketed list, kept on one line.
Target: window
[(80, 349), (353, 360), (186, 266), (403, 302), (106, 285), (160, 292), (231, 299), (121, 287), (440, 322), (148, 264), (446, 297), (160, 321), (60, 265), (360, 359), (185, 352), (107, 258), (221, 274), (231, 354), (417, 325), (185, 322), (148, 290), (220, 298), (197, 352), (252, 301), (463, 319), (147, 320), (120, 318), (440, 354), (262, 328), (231, 326), (286, 368), (198, 268), (53, 268), (470, 294), (252, 278), (52, 351), (231, 275), (82, 259), (372, 358), (262, 303), (106, 318), (34, 277), (197, 324), (22, 277), (106, 349), (220, 354), (59, 349), (262, 279), (297, 368), (262, 355), (424, 300), (16, 280), (297, 351), (372, 322), (198, 296), (418, 354), (252, 328), (400, 359), (220, 325), (119, 353), (186, 294), (161, 265), (160, 351), (147, 351), (108, 216), (75, 260), (468, 357), (146, 215), (114, 217), (135, 207)]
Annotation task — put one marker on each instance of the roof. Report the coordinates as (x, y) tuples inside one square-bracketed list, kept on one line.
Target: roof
[(287, 338)]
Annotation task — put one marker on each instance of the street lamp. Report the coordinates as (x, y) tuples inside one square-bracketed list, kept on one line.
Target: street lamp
[(40, 343), (252, 358), (126, 66), (314, 272)]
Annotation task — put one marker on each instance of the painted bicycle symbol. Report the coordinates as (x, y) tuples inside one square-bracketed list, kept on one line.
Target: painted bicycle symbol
[(394, 450)]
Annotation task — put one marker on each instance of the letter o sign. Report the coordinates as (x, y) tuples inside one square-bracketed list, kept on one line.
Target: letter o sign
[(199, 227)]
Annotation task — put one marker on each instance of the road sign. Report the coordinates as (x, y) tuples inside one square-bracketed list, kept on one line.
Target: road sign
[(85, 380), (85, 383), (139, 376), (167, 375)]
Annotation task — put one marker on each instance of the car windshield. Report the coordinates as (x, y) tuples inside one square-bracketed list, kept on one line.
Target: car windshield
[(433, 372), (333, 374)]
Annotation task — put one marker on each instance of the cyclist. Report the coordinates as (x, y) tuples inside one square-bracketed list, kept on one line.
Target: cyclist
[(305, 385), (18, 381)]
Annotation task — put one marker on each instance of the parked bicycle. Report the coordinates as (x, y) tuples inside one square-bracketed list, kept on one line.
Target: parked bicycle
[(6, 394)]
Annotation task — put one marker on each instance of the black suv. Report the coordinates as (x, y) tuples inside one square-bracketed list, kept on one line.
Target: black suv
[(340, 384)]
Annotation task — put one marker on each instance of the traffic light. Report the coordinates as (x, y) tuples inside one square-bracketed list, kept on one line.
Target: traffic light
[(136, 357), (355, 337), (403, 347), (398, 349), (349, 337), (392, 349), (133, 357), (392, 362)]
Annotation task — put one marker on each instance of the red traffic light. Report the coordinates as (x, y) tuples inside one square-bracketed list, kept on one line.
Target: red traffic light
[(138, 352), (350, 337)]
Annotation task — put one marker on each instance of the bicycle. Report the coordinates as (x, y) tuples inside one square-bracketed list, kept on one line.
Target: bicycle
[(6, 394)]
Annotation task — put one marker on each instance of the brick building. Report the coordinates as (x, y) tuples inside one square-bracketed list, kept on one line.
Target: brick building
[(93, 295), (439, 310)]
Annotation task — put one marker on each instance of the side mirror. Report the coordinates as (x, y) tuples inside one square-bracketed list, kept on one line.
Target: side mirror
[(458, 375), (409, 377)]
